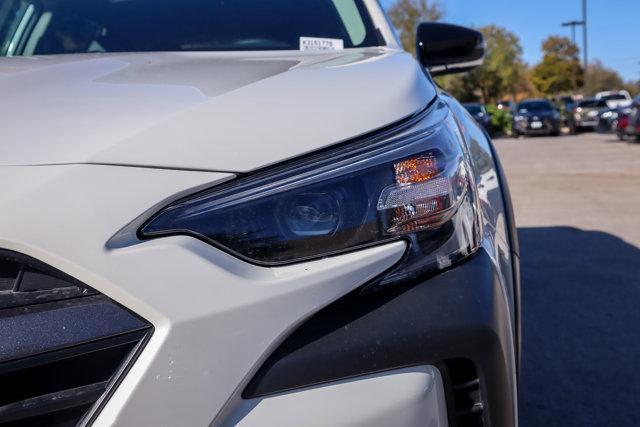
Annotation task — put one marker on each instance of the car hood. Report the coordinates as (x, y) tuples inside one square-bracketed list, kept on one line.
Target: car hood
[(202, 111)]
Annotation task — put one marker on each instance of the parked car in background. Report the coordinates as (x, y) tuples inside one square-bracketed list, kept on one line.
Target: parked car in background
[(615, 98), (586, 115), (480, 114), (622, 125), (630, 127), (608, 118), (536, 117), (221, 213)]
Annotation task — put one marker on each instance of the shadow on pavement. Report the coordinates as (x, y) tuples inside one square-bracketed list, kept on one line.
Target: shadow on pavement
[(615, 139), (581, 329)]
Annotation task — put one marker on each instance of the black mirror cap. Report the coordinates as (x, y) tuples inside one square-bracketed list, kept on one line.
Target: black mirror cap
[(448, 49)]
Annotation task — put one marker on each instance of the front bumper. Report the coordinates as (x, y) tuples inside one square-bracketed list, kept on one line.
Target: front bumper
[(457, 320), (404, 397), (220, 325), (548, 126), (586, 124)]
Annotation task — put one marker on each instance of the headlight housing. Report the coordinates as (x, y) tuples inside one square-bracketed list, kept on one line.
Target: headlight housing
[(415, 184)]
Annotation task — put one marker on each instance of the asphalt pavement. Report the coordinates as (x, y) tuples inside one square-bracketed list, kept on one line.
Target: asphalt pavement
[(577, 203)]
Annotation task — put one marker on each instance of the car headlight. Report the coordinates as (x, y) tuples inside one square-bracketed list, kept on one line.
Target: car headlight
[(520, 118), (414, 184)]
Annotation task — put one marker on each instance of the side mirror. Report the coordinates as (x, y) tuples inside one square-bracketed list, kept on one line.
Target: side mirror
[(448, 49)]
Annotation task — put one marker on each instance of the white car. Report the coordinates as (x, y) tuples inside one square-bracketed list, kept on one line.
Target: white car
[(247, 213), (615, 99)]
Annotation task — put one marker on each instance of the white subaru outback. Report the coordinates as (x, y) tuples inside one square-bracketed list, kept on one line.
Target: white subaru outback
[(264, 213)]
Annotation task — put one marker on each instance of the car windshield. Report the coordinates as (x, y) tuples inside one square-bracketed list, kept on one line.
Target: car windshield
[(593, 103), (615, 97), (533, 106), (46, 27), (473, 108)]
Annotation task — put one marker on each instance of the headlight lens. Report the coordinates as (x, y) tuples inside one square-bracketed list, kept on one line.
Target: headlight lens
[(415, 184)]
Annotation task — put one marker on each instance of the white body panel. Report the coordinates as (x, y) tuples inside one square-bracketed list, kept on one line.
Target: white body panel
[(403, 398), (616, 103)]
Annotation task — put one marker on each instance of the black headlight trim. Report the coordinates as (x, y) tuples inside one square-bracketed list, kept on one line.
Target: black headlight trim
[(342, 164), (370, 138)]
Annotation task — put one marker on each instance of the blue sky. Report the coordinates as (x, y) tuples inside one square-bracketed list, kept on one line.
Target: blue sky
[(614, 25)]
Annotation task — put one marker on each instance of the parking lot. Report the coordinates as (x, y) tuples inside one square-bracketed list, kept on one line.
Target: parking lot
[(576, 200)]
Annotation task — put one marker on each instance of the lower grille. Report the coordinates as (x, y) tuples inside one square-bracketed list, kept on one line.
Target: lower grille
[(465, 393), (63, 346)]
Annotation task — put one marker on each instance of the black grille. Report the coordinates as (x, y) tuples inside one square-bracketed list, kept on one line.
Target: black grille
[(62, 345), (464, 393), (25, 281)]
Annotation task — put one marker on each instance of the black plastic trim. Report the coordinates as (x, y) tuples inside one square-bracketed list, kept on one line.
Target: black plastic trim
[(51, 403), (514, 245), (118, 377), (64, 347), (70, 352), (25, 332), (33, 282), (508, 205), (458, 314)]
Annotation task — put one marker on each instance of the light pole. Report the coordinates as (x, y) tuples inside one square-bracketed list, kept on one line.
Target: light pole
[(583, 23), (584, 34), (573, 25)]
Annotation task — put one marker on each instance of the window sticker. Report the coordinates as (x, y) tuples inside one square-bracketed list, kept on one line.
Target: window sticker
[(318, 44)]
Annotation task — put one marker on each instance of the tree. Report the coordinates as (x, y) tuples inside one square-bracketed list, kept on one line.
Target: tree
[(560, 70), (633, 86), (502, 73), (407, 14), (600, 79)]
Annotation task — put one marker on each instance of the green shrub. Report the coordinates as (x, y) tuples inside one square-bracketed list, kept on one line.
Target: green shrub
[(500, 119)]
